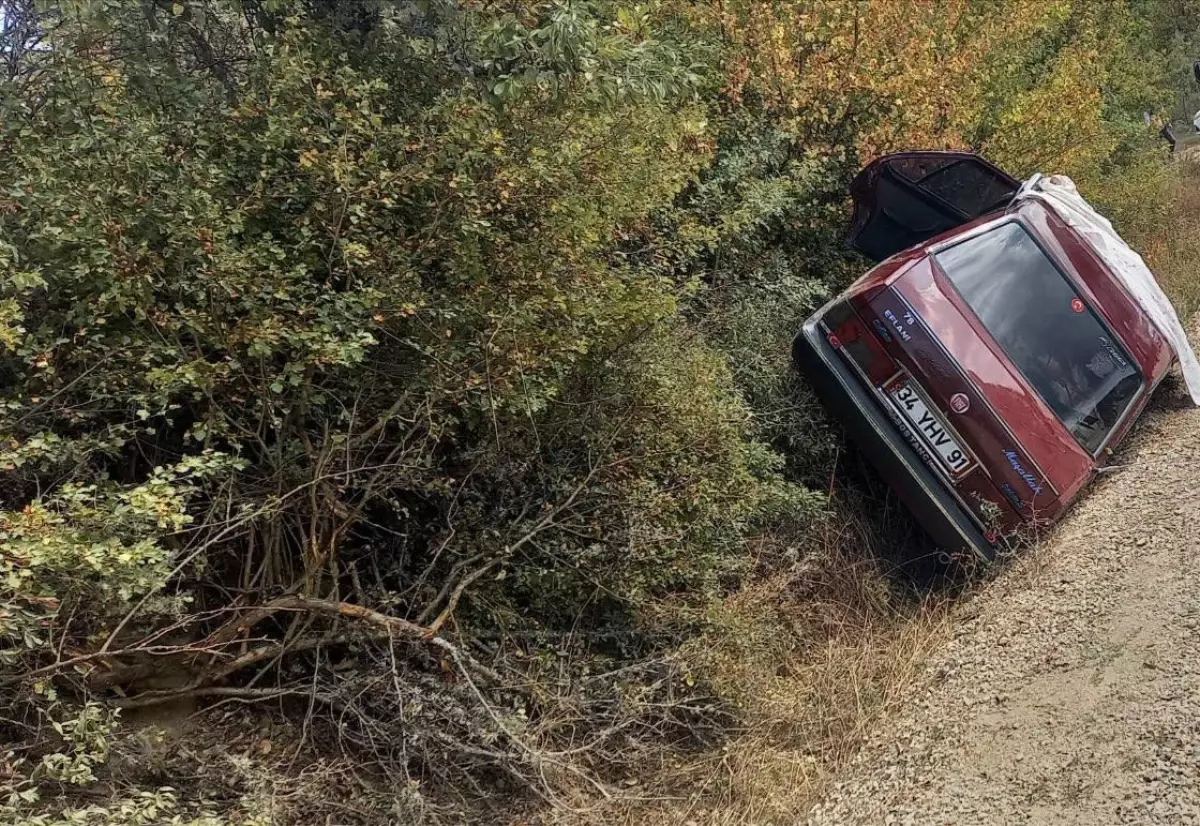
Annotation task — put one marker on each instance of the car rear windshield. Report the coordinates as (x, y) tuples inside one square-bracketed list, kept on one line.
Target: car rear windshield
[(1045, 328)]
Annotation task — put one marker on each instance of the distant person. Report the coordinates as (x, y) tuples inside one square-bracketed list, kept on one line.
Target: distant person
[(1168, 135)]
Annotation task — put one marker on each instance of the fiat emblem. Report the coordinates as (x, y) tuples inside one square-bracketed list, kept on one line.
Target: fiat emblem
[(1077, 305), (959, 403)]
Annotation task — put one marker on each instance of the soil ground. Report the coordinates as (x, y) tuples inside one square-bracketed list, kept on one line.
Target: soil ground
[(1070, 693)]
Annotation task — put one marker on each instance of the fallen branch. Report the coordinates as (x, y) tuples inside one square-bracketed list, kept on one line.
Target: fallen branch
[(417, 633), (387, 625), (259, 654), (103, 658), (256, 695)]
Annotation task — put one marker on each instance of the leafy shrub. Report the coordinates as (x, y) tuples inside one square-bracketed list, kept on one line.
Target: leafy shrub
[(429, 362)]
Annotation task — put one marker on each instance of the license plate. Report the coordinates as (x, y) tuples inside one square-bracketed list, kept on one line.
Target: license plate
[(928, 427)]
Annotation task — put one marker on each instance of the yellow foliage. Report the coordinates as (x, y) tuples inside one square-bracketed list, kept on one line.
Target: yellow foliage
[(923, 74)]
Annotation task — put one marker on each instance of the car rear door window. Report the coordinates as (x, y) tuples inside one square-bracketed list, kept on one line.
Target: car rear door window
[(905, 198), (970, 187), (1045, 328)]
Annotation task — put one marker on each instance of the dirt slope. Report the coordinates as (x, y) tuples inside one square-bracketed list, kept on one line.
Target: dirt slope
[(1071, 693)]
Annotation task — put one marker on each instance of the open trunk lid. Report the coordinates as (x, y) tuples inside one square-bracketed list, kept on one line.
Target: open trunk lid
[(903, 199)]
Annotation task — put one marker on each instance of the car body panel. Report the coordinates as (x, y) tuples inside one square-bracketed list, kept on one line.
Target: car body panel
[(944, 352), (856, 405), (955, 342)]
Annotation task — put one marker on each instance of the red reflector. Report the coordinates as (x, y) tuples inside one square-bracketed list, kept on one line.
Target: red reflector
[(1077, 305), (991, 536), (834, 341)]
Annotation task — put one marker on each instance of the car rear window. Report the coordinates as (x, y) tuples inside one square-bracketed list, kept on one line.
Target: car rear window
[(1045, 328)]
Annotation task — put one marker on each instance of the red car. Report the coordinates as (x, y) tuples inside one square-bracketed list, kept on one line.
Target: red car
[(990, 364)]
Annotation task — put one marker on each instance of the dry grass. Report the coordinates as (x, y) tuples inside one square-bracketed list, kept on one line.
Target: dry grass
[(1173, 248), (806, 723), (813, 657)]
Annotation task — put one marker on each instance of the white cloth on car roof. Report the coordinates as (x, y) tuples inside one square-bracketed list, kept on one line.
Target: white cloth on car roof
[(1059, 193)]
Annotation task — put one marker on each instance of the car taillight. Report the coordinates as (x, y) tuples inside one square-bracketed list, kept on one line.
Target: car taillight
[(838, 315), (845, 331), (862, 353)]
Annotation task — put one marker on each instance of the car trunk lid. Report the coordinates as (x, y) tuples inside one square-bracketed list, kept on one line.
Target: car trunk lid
[(1029, 459), (903, 199), (941, 416)]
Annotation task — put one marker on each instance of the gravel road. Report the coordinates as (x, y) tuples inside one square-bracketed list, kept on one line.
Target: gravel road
[(1071, 691)]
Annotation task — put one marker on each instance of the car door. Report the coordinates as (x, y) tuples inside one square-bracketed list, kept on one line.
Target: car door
[(903, 199)]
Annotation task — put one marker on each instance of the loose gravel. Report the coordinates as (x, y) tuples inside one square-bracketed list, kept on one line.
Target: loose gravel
[(1071, 691)]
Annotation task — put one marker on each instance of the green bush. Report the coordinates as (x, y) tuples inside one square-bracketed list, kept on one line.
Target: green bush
[(357, 324), (431, 359)]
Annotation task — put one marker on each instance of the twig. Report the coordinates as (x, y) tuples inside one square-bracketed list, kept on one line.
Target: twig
[(462, 586), (156, 651), (256, 695), (424, 616)]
